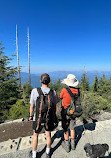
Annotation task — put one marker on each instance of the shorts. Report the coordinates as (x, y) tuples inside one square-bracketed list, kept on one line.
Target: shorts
[(41, 126), (67, 123)]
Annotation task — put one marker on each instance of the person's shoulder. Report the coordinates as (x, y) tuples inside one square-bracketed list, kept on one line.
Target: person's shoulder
[(75, 90), (54, 91), (63, 90), (34, 90), (78, 88), (44, 88)]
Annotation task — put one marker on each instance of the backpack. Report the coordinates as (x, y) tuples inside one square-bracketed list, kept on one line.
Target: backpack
[(74, 109), (45, 109)]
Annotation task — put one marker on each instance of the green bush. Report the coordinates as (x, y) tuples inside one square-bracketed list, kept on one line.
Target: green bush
[(19, 110), (93, 104)]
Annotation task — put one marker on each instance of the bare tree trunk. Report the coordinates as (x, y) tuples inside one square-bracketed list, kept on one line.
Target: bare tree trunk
[(28, 56), (18, 56)]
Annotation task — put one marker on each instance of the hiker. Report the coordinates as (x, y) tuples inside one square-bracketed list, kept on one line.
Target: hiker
[(68, 121), (43, 105)]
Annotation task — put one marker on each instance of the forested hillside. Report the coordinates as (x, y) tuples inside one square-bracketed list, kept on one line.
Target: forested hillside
[(14, 97)]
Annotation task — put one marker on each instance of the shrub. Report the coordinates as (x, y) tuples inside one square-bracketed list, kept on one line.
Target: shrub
[(93, 104), (19, 110)]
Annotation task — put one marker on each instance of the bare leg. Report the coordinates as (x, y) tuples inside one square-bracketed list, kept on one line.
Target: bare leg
[(73, 139), (66, 135), (48, 137), (35, 141), (72, 134), (66, 143)]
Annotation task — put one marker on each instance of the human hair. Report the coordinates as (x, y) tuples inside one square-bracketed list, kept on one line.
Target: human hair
[(45, 79)]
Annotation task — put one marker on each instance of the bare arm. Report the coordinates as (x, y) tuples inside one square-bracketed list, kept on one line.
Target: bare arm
[(31, 111)]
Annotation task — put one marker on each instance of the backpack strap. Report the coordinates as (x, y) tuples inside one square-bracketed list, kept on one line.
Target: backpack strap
[(38, 121), (39, 90), (70, 92), (40, 108), (49, 105), (78, 91), (51, 92)]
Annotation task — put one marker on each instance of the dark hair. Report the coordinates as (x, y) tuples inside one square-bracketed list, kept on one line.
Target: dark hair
[(45, 79)]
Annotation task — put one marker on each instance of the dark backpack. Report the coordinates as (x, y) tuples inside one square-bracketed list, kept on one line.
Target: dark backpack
[(45, 109), (74, 109)]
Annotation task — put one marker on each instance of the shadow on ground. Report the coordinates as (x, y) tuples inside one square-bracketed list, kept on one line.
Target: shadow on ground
[(80, 130), (58, 134), (78, 134)]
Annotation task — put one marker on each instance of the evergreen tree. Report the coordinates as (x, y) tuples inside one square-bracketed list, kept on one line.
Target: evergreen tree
[(8, 84), (21, 107), (102, 85), (95, 84), (26, 92), (57, 84), (84, 83)]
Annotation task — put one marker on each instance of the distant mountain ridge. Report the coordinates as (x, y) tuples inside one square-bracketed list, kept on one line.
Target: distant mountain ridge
[(35, 78)]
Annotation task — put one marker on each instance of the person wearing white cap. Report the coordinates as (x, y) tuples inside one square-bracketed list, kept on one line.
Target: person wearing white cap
[(67, 123)]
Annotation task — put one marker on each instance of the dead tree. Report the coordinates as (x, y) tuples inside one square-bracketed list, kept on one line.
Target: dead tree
[(18, 67), (28, 56)]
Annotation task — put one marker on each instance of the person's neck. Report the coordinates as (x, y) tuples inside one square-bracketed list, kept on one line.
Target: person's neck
[(44, 85)]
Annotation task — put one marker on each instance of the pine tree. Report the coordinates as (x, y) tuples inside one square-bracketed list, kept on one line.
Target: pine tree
[(84, 83), (8, 84), (95, 84), (102, 85), (21, 108), (27, 91)]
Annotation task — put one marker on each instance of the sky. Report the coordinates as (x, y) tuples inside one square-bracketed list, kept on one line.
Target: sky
[(65, 35)]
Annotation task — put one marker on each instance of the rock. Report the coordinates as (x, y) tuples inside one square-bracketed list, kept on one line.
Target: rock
[(23, 119), (11, 146), (1, 146)]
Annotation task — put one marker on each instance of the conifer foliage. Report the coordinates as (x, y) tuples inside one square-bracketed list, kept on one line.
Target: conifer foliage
[(95, 84), (8, 84), (21, 108), (14, 98), (84, 83)]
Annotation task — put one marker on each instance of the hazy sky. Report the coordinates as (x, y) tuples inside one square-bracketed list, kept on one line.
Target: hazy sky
[(64, 34)]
